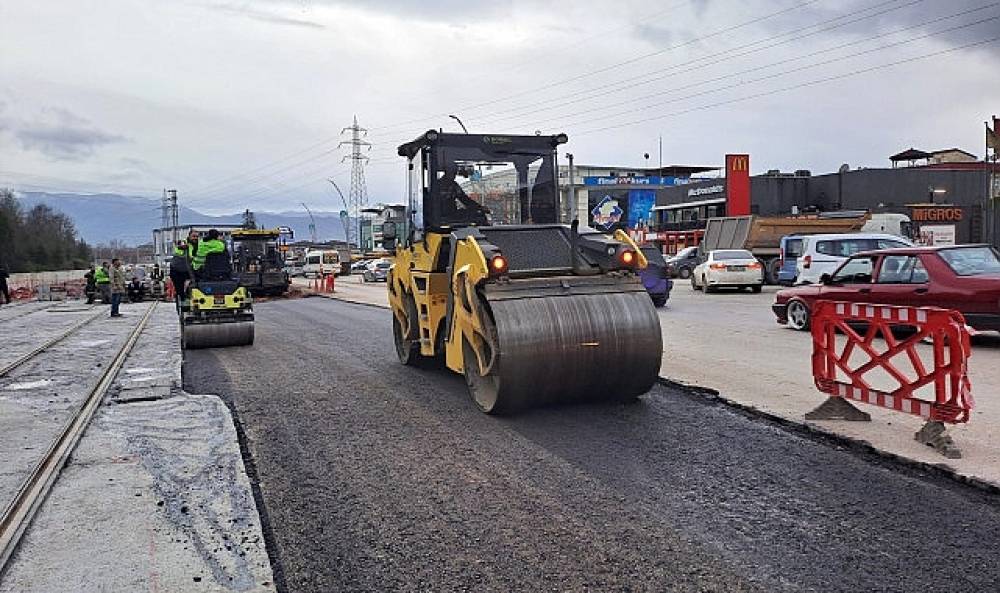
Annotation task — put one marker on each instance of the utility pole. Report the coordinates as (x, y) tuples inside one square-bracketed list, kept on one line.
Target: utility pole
[(571, 193), (358, 194), (164, 211), (312, 225), (174, 217)]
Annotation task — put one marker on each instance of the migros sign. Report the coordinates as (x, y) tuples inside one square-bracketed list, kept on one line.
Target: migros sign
[(939, 214)]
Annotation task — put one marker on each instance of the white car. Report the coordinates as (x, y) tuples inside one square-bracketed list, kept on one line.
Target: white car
[(735, 268), (823, 254)]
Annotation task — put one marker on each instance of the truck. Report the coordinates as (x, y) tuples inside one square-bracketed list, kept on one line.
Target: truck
[(761, 235)]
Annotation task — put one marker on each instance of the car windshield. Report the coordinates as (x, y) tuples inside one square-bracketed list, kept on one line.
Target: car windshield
[(383, 265), (731, 254), (972, 261), (686, 252)]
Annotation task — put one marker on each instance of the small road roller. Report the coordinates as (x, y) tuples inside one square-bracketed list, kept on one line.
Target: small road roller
[(216, 311), (487, 281)]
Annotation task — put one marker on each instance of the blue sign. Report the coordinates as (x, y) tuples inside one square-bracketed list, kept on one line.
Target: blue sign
[(607, 213), (635, 180)]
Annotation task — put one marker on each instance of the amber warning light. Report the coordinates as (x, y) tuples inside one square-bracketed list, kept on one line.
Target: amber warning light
[(498, 265)]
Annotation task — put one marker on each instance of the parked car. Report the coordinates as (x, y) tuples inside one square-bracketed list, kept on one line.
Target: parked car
[(359, 267), (683, 262), (377, 271), (294, 268), (822, 254), (964, 277), (655, 277), (734, 268)]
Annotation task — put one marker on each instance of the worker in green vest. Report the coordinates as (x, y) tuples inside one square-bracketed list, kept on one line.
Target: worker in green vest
[(103, 281), (211, 244)]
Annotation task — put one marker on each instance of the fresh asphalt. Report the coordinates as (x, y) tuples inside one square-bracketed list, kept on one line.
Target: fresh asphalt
[(379, 477)]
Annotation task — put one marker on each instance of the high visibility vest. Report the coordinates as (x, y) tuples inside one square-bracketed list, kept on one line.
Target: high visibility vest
[(101, 277), (206, 248)]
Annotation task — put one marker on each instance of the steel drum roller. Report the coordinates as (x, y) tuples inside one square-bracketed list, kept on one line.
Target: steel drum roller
[(591, 347), (218, 335)]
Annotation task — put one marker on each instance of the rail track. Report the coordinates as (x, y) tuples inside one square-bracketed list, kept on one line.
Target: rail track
[(20, 314), (31, 495), (4, 370)]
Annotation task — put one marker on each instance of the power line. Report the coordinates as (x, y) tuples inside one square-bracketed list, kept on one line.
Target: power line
[(809, 83)]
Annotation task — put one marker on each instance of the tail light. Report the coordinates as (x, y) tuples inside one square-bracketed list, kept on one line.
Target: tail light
[(498, 265), (628, 257), (807, 261), (754, 266), (717, 266)]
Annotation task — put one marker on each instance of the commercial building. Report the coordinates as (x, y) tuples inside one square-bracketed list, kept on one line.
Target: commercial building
[(945, 194)]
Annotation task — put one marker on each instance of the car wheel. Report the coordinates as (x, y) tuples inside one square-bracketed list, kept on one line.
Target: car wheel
[(756, 288), (704, 282), (684, 273), (798, 315), (694, 284)]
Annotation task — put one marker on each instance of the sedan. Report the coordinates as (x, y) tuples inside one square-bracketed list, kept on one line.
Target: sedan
[(377, 271), (735, 268), (965, 278)]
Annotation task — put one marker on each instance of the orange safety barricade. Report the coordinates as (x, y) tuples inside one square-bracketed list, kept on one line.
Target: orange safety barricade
[(950, 343), (330, 283)]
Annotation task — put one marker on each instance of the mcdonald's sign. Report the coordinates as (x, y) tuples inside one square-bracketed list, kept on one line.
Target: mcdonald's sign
[(737, 184)]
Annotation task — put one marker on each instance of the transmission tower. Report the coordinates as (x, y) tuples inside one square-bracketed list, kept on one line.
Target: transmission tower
[(357, 197)]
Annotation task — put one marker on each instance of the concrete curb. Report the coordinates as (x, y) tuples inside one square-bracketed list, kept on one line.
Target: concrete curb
[(856, 446), (335, 297)]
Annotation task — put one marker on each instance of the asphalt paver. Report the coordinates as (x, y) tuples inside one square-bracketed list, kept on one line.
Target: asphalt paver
[(378, 477)]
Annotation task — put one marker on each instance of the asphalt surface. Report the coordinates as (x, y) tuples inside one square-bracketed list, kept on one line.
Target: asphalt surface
[(379, 477)]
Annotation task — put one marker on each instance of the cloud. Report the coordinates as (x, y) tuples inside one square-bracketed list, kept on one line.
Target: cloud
[(61, 135), (266, 16)]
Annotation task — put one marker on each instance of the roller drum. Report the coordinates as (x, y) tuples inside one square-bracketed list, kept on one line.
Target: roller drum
[(218, 335), (582, 347)]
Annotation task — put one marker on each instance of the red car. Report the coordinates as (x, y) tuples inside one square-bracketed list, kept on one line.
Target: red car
[(961, 277)]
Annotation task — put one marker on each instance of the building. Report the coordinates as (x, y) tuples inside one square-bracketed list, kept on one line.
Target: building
[(944, 193), (600, 196)]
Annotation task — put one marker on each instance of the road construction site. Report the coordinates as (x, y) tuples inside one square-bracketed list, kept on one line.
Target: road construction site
[(340, 469)]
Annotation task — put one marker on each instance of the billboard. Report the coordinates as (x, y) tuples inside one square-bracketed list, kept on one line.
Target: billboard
[(620, 209)]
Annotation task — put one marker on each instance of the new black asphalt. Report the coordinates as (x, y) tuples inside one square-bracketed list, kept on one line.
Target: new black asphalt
[(380, 477)]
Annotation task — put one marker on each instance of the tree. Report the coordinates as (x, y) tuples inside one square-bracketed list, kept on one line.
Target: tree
[(41, 239)]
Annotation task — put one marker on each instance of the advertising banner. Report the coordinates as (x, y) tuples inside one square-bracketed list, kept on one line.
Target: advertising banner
[(737, 184), (620, 209)]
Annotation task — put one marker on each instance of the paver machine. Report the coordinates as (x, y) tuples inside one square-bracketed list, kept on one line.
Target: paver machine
[(216, 310), (488, 282), (258, 262)]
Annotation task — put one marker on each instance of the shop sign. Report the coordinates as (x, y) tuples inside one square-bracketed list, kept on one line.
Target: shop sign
[(937, 214), (704, 191), (633, 180)]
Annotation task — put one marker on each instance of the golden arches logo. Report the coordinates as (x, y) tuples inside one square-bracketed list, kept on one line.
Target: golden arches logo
[(740, 163)]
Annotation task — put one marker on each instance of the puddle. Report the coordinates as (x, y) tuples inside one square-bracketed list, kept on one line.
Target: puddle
[(29, 385)]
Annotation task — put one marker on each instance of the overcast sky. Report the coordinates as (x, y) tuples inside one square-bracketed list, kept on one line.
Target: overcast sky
[(239, 103)]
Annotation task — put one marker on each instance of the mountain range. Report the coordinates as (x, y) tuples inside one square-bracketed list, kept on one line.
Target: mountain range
[(100, 218)]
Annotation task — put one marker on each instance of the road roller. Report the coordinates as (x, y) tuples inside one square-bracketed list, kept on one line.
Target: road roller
[(487, 282), (216, 311)]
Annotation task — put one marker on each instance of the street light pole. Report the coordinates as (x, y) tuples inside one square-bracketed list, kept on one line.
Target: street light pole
[(571, 194), (455, 117)]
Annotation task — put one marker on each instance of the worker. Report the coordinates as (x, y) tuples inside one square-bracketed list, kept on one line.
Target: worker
[(180, 270), (117, 286), (103, 281), (91, 289), (456, 205), (210, 245)]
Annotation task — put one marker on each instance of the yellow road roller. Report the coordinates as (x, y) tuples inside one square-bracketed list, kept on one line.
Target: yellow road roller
[(487, 281), (216, 311)]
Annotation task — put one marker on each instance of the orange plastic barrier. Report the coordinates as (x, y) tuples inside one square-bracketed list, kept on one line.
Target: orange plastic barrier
[(880, 349)]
